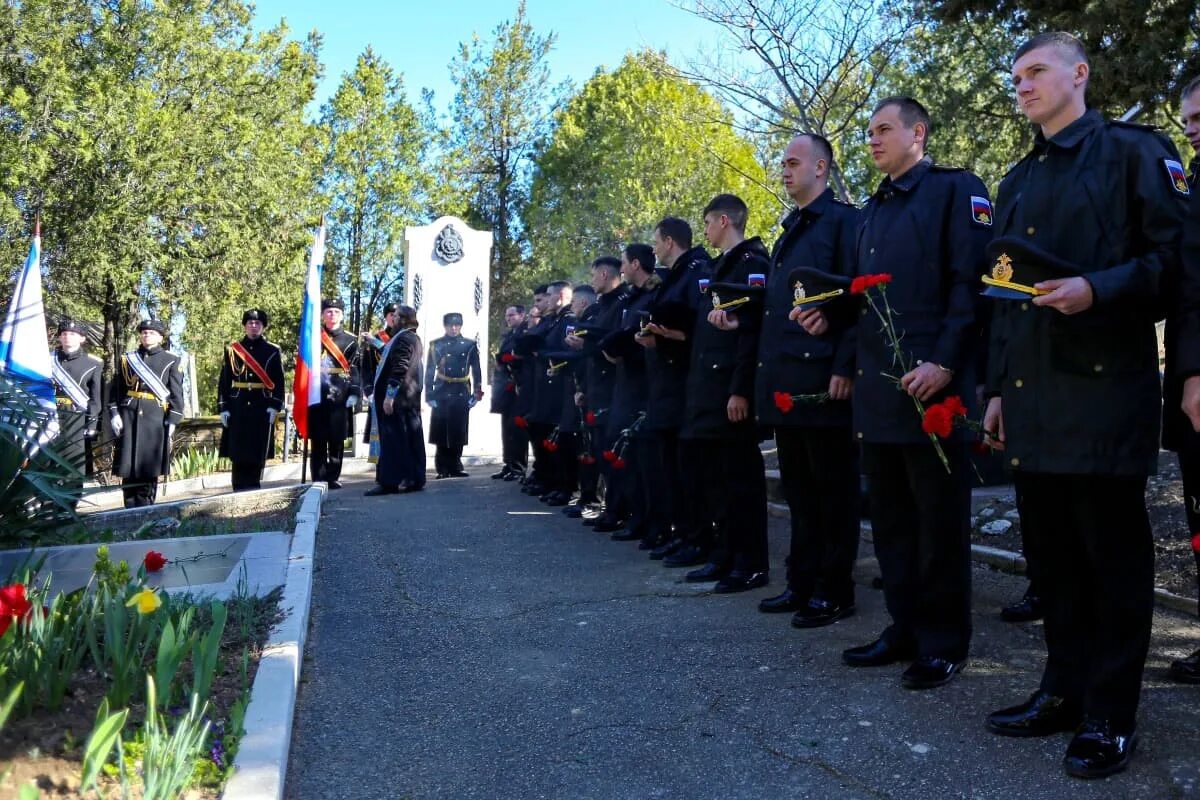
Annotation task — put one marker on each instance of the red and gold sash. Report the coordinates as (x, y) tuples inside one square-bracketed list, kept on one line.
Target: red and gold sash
[(252, 363), (331, 347)]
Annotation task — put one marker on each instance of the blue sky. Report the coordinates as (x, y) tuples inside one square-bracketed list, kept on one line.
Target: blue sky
[(420, 39)]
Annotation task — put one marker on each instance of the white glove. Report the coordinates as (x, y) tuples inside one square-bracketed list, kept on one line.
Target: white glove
[(225, 418), (352, 401), (117, 424), (272, 413), (471, 401), (433, 403), (170, 430)]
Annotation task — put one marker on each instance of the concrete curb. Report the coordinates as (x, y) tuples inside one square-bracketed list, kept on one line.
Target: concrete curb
[(1008, 561), (260, 766)]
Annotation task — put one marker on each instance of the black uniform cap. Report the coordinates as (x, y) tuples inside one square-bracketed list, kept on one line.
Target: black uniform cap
[(336, 302), (71, 326), (152, 325), (1017, 264), (452, 319), (255, 314), (732, 295), (389, 308), (812, 287)]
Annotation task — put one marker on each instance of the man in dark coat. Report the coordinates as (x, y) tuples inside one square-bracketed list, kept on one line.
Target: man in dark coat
[(1178, 433), (719, 437), (926, 226), (570, 424), (397, 396), (818, 457), (370, 351), (667, 341), (78, 378), (452, 382), (332, 420), (514, 439), (249, 397), (539, 345), (1074, 392), (145, 405)]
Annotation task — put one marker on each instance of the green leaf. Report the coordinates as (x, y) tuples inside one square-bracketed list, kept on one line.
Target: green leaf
[(100, 743)]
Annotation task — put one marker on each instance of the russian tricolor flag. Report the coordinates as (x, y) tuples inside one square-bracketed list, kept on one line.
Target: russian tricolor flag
[(24, 350), (306, 389)]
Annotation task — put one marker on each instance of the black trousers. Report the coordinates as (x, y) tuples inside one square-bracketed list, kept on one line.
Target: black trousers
[(658, 470), (818, 469), (1034, 563), (514, 443), (640, 457), (327, 430), (141, 494), (731, 490), (401, 450), (543, 468), (246, 475), (447, 460), (591, 446), (920, 522), (1189, 466), (1094, 537)]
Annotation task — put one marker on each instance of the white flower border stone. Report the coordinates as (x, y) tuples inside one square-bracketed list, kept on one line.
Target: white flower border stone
[(260, 766)]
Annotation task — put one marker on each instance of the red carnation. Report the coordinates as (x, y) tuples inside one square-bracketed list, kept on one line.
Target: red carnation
[(507, 358), (520, 422), (587, 459), (609, 456), (1196, 542), (618, 463), (550, 445), (154, 561), (954, 405), (784, 402), (590, 418), (862, 283), (13, 605), (937, 421)]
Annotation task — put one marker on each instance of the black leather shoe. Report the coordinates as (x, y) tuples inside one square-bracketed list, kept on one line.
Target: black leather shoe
[(781, 603), (709, 572), (573, 510), (440, 476), (514, 476), (1042, 714), (460, 474), (624, 535), (501, 475), (1027, 609), (381, 490), (653, 542), (686, 556), (1099, 749), (558, 499), (665, 549), (929, 672), (608, 524), (818, 613), (741, 582), (1186, 670), (531, 487), (878, 653)]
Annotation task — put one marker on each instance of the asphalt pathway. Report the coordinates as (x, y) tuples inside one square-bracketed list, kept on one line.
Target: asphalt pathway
[(468, 642)]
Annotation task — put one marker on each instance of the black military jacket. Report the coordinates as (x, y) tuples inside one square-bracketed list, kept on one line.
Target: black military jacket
[(548, 384), (1182, 335), (723, 362), (820, 235), (1081, 392), (87, 372), (246, 397), (667, 362), (338, 382), (928, 229), (522, 367), (143, 441), (600, 376), (631, 388), (452, 369), (504, 381)]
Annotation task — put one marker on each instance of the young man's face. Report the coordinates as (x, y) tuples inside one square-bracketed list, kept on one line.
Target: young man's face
[(389, 319), (332, 317), (715, 226), (253, 327), (799, 168), (1046, 82), (70, 341), (662, 246), (150, 338), (453, 330), (1189, 110), (512, 317), (892, 143)]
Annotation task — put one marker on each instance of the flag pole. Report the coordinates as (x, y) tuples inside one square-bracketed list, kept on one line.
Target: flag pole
[(304, 461)]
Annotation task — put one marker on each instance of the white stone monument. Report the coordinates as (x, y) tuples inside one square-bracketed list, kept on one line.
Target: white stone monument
[(446, 268)]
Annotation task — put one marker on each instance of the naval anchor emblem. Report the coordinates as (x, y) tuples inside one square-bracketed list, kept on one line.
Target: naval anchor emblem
[(448, 246)]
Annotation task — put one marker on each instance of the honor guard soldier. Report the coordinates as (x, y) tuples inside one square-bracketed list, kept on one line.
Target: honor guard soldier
[(1178, 433), (818, 456), (719, 437), (77, 392), (1090, 221), (549, 385), (330, 422), (145, 405), (249, 397), (927, 227), (452, 376), (514, 439)]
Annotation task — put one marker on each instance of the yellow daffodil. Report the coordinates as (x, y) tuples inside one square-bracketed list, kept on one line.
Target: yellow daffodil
[(147, 601)]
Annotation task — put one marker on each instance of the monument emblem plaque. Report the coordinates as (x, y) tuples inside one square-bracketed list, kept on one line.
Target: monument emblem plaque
[(448, 247)]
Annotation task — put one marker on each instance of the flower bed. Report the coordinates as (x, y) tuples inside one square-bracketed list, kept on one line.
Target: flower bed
[(118, 667)]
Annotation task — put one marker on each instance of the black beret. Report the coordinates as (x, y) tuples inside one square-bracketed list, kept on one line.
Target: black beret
[(153, 325), (452, 319), (1017, 264), (255, 314), (71, 326), (334, 303), (812, 287)]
